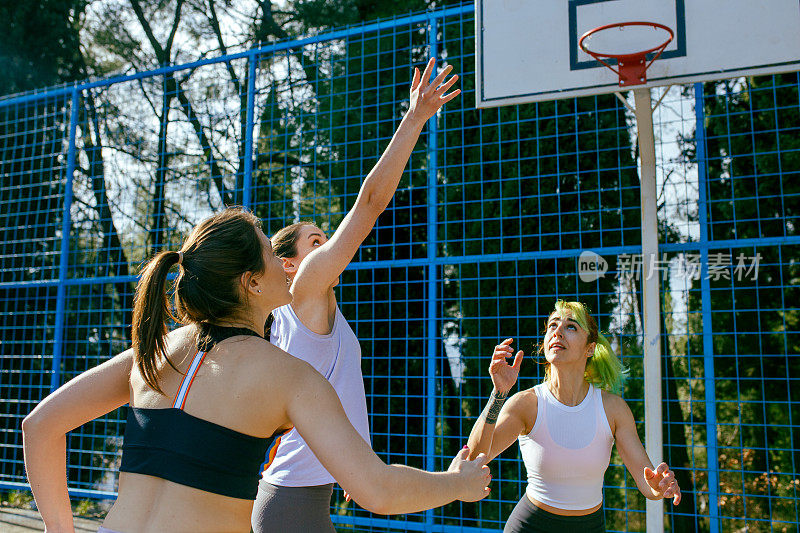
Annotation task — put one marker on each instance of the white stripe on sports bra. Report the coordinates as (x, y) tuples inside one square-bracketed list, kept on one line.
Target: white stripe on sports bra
[(180, 397)]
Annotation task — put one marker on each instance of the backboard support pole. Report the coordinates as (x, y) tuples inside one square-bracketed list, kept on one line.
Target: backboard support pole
[(654, 440)]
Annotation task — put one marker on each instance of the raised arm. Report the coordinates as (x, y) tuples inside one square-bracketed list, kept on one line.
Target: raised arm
[(316, 412), (320, 270), (656, 483), (499, 425), (88, 396)]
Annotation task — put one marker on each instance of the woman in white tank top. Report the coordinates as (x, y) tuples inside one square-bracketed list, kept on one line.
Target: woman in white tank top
[(566, 427), (295, 491)]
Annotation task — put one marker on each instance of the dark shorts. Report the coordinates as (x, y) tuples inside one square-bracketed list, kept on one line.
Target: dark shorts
[(292, 509), (527, 518)]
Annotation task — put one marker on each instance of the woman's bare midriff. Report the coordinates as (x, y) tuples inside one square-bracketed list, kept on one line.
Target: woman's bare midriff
[(564, 512), (151, 504)]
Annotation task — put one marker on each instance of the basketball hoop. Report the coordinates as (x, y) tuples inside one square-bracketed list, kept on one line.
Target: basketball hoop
[(632, 67)]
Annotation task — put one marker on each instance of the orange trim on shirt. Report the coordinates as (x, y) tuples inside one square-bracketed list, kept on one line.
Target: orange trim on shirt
[(273, 451)]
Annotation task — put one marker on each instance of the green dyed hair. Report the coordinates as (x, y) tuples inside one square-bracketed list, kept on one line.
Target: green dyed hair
[(604, 369)]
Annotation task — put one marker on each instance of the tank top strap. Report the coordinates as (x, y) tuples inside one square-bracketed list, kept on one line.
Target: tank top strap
[(183, 390), (541, 407), (604, 424), (209, 336)]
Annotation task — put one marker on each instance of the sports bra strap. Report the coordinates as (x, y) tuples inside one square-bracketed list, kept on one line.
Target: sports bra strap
[(183, 390), (210, 335)]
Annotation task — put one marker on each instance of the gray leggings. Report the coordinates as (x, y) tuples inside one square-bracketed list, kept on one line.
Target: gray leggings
[(292, 509)]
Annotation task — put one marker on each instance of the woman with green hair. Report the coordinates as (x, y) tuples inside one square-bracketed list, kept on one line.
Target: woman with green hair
[(566, 426)]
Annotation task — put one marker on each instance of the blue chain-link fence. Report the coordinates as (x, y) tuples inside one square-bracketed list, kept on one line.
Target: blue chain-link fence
[(483, 235)]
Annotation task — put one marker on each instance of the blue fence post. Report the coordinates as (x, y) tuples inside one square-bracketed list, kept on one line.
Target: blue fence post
[(705, 293), (247, 179), (432, 243), (61, 294)]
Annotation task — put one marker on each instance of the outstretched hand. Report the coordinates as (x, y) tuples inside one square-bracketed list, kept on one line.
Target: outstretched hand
[(474, 475), (504, 375), (427, 96), (663, 483)]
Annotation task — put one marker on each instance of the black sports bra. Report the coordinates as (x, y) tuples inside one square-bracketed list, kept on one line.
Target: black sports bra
[(171, 444)]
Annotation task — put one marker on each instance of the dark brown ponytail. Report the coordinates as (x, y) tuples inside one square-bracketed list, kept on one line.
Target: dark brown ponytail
[(151, 310), (215, 255)]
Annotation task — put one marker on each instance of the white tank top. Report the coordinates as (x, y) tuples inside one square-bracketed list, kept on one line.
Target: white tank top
[(337, 356), (568, 451)]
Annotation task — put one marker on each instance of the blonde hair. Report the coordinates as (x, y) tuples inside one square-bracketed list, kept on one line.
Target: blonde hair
[(603, 369)]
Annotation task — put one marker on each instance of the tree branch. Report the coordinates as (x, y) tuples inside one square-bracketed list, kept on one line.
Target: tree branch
[(148, 31), (175, 22), (205, 143), (218, 32)]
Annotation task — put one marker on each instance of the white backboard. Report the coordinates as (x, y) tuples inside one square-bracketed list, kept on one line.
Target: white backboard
[(527, 50)]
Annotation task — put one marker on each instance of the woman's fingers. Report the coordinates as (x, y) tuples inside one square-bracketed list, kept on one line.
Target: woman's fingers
[(427, 95), (518, 360), (441, 89), (666, 481), (434, 85), (426, 75), (446, 98), (416, 79), (504, 347), (500, 354), (662, 480)]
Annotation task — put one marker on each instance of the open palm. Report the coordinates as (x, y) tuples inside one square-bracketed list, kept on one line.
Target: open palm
[(504, 375), (427, 95)]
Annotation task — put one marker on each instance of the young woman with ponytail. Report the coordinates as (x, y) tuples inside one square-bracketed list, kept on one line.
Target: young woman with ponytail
[(207, 400), (566, 427)]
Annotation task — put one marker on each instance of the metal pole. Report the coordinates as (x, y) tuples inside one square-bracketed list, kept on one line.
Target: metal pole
[(654, 440), (247, 179), (705, 304), (430, 372), (61, 294)]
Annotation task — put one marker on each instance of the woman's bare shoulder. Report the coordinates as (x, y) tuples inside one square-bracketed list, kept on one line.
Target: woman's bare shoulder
[(613, 401), (523, 406), (262, 358), (527, 395), (616, 409), (523, 402)]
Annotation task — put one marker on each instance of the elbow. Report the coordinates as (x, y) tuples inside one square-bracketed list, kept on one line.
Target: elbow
[(35, 426), (373, 203), (379, 499), (31, 425), (380, 505)]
